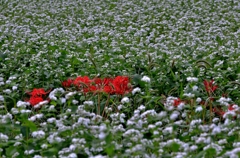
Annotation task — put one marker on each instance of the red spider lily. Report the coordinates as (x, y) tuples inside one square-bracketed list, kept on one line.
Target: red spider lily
[(177, 102), (82, 81), (108, 89), (209, 86), (121, 85), (37, 96), (219, 111), (35, 100), (104, 85), (67, 83), (38, 92)]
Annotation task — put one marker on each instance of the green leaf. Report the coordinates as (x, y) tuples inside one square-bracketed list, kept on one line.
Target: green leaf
[(10, 151), (30, 124), (175, 147), (210, 152)]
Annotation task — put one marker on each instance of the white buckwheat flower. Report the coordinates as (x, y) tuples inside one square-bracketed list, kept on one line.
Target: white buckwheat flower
[(192, 79), (125, 100), (146, 79), (136, 90)]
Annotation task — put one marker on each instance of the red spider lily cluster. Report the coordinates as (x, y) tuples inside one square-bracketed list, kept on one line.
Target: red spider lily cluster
[(37, 96), (119, 85)]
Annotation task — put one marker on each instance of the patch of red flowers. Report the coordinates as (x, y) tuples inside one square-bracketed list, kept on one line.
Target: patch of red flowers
[(119, 85)]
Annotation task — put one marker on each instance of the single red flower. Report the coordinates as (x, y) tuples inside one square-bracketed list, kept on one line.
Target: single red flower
[(210, 88), (121, 85), (67, 83), (35, 100), (218, 111), (108, 89), (38, 92), (177, 102), (82, 81), (103, 85)]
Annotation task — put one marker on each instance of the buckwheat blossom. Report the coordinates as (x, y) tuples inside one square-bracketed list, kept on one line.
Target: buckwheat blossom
[(205, 140), (1, 98), (192, 79), (98, 156), (70, 94), (224, 101), (7, 91), (198, 109), (40, 104), (12, 78), (14, 111), (229, 114), (168, 130), (14, 88), (15, 154), (29, 152), (21, 104), (37, 156), (216, 130), (7, 117), (198, 100), (89, 103), (141, 108), (51, 108), (162, 114), (75, 102), (3, 137), (19, 137), (63, 100), (190, 95), (51, 120), (136, 90), (195, 122), (120, 107), (125, 100), (195, 88), (193, 148), (53, 138), (72, 155), (44, 146), (17, 144), (224, 141), (35, 117), (54, 92), (174, 115), (146, 79), (38, 134)]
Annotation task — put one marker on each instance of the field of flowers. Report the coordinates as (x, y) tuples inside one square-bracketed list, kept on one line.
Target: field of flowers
[(127, 78)]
